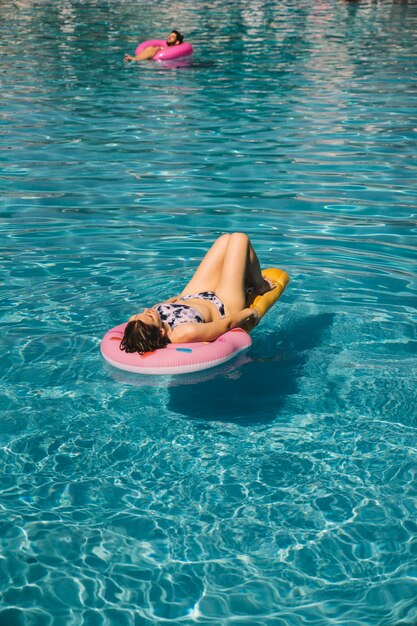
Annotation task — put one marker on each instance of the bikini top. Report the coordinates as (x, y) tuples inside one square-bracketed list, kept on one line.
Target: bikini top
[(174, 314)]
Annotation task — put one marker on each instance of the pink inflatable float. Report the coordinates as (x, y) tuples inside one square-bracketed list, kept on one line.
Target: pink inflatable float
[(175, 358), (183, 358), (168, 53)]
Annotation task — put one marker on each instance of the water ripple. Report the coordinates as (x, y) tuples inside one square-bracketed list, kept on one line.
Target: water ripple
[(278, 489)]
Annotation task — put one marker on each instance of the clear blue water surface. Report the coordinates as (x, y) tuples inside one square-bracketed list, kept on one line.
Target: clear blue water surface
[(280, 490)]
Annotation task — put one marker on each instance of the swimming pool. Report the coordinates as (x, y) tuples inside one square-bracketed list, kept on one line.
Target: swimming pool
[(280, 489)]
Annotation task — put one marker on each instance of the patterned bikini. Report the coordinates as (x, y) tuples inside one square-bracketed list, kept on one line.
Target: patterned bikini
[(174, 314)]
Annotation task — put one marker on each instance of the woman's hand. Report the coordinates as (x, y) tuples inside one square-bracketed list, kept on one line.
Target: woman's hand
[(247, 319), (254, 316)]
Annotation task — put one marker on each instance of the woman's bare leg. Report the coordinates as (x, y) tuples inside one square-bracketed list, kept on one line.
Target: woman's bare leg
[(240, 269), (208, 274), (254, 278)]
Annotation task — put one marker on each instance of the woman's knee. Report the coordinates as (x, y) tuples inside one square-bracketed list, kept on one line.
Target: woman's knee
[(240, 239), (240, 235), (234, 236), (224, 237)]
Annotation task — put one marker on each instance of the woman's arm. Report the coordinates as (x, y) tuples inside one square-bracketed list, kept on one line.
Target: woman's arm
[(191, 332)]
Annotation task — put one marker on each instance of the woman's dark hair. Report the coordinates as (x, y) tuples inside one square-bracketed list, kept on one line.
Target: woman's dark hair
[(141, 337), (180, 37)]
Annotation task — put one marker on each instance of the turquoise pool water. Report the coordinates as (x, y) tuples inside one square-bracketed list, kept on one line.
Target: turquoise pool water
[(279, 490)]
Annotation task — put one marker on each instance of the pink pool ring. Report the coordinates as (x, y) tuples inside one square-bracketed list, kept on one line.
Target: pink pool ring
[(168, 53), (176, 358)]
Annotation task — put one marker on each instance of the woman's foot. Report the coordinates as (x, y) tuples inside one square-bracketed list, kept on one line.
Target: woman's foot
[(268, 285)]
